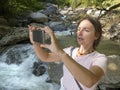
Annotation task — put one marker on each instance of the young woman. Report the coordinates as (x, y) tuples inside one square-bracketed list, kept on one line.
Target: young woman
[(86, 67)]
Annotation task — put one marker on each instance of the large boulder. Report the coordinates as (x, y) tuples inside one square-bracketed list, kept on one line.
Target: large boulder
[(4, 30), (38, 69), (51, 9), (3, 21), (115, 32), (58, 26), (112, 78), (38, 17), (15, 36), (55, 72)]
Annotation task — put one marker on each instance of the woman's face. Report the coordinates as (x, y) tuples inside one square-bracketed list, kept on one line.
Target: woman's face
[(86, 33)]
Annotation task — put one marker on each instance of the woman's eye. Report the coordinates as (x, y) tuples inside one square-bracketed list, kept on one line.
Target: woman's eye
[(78, 29), (83, 29), (87, 30)]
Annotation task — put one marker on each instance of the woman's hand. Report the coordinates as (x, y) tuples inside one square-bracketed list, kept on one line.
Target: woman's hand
[(31, 28), (54, 46)]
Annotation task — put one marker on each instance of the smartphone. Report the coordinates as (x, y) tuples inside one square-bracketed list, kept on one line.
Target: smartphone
[(39, 36)]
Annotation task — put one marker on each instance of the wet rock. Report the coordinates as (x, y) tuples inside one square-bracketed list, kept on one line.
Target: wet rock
[(115, 32), (15, 54), (4, 30), (38, 69), (15, 36), (51, 9), (58, 26), (38, 17), (112, 78), (55, 72), (3, 21)]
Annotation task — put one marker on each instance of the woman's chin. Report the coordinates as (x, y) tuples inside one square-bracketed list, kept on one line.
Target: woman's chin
[(80, 43)]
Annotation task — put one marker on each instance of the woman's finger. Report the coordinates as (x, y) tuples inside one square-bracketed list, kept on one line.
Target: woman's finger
[(31, 28), (45, 46)]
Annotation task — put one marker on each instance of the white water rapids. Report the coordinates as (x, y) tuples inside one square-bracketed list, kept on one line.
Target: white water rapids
[(20, 77)]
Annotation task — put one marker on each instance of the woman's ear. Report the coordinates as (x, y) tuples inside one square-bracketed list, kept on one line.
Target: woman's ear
[(96, 38), (97, 35)]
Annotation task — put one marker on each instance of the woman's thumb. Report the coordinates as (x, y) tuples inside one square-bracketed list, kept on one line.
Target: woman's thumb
[(44, 46)]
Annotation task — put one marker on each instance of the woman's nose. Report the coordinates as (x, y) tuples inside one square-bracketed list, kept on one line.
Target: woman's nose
[(80, 31)]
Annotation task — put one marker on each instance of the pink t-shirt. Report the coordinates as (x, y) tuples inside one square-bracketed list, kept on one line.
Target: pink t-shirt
[(94, 58)]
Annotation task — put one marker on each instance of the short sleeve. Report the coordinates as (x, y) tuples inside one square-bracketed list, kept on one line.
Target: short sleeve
[(101, 61), (67, 50)]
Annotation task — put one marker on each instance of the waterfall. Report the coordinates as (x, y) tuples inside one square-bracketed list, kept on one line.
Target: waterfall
[(18, 74)]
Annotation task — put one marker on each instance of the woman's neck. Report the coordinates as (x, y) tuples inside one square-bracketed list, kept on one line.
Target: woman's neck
[(85, 50)]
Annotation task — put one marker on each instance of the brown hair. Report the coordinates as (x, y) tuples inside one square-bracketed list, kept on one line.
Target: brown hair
[(98, 29)]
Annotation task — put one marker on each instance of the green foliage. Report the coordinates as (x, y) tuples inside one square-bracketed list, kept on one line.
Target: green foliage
[(14, 7), (86, 3), (67, 41), (95, 3), (75, 3), (72, 3), (61, 3), (109, 47)]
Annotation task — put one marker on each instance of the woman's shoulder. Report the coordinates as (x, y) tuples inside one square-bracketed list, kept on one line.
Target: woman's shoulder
[(99, 55), (67, 49)]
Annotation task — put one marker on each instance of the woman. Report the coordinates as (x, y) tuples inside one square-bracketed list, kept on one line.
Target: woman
[(86, 66)]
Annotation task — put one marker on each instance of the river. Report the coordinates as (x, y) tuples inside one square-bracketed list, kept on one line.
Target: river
[(19, 76)]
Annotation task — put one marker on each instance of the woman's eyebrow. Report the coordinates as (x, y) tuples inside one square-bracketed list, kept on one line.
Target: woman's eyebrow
[(83, 27)]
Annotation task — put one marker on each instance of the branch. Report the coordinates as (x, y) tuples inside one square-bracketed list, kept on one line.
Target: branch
[(108, 10)]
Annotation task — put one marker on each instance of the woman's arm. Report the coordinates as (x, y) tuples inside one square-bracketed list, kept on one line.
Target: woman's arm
[(45, 55), (83, 75)]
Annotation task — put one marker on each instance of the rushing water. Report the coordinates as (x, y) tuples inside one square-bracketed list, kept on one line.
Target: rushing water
[(19, 76), (62, 33)]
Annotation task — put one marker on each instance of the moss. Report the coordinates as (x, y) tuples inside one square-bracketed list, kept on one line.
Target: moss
[(109, 47)]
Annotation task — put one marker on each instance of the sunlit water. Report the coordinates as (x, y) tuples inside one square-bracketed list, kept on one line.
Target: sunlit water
[(62, 33), (20, 77)]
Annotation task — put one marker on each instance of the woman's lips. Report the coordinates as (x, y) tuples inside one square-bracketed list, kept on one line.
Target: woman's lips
[(80, 38)]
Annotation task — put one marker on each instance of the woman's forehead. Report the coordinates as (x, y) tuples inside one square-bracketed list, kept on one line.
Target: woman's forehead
[(86, 23)]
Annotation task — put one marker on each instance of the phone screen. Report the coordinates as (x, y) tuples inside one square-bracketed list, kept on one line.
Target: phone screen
[(38, 36)]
